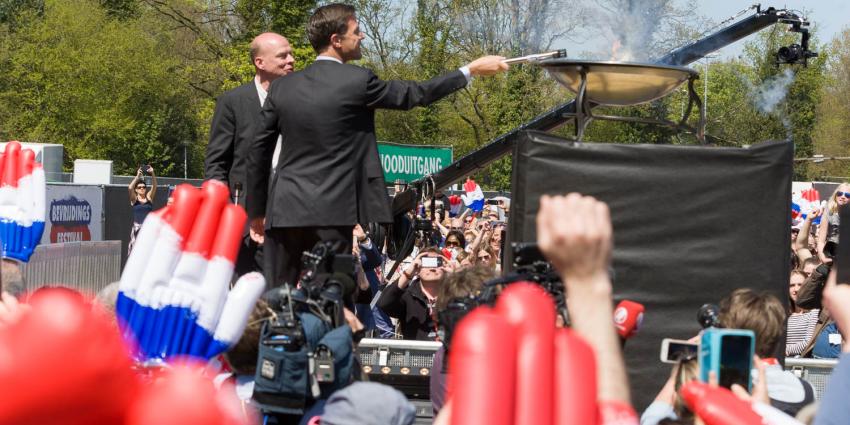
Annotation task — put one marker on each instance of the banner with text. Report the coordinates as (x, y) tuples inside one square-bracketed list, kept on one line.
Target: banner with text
[(410, 162), (74, 213)]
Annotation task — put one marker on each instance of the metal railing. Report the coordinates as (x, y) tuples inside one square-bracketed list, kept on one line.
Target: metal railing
[(816, 371), (85, 266)]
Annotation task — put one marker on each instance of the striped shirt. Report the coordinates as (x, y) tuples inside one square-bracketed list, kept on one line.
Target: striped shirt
[(801, 327)]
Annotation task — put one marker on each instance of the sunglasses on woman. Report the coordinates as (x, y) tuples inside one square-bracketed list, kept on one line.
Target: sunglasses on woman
[(844, 194), (452, 243)]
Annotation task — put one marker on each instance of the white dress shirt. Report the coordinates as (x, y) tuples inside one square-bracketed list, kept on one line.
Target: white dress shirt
[(262, 93)]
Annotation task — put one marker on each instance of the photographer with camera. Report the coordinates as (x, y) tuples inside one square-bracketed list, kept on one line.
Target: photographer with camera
[(412, 298), (833, 403), (306, 347), (141, 200)]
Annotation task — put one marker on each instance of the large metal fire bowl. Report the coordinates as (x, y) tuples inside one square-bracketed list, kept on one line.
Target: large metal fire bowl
[(618, 83)]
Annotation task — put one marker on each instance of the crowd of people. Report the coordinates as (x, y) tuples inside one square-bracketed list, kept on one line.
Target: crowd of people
[(814, 240), (410, 300)]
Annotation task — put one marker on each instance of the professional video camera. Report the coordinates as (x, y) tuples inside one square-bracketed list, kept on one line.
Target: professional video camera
[(529, 265), (327, 281), (305, 352)]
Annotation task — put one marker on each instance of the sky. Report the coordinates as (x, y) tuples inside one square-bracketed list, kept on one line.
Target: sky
[(828, 16)]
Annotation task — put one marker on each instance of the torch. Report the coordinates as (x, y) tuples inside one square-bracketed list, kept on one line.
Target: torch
[(537, 57)]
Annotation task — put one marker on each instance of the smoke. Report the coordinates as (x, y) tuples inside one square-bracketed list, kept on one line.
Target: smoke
[(632, 27), (772, 92), (769, 95)]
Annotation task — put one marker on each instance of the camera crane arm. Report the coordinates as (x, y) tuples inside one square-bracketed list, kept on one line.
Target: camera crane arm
[(554, 118)]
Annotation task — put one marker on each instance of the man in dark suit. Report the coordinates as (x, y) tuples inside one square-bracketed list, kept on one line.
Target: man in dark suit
[(236, 115), (330, 177)]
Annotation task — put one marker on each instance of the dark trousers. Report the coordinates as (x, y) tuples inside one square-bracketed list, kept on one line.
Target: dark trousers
[(284, 246), (250, 258)]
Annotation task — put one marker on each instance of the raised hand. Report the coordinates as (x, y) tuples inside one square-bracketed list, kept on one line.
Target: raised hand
[(23, 190), (578, 244), (173, 298)]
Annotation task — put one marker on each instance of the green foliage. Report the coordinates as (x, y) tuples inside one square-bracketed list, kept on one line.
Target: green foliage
[(288, 18), (14, 13), (136, 80), (105, 90), (122, 9), (133, 81), (733, 115), (831, 136)]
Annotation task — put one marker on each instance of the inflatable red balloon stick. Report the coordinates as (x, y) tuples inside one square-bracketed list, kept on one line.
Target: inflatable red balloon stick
[(183, 395), (531, 312), (63, 363), (482, 369), (575, 380), (717, 405)]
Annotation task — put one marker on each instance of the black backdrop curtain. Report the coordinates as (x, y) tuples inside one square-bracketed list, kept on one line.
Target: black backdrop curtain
[(691, 224)]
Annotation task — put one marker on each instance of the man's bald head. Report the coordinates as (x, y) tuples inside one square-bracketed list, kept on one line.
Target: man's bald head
[(265, 41), (271, 55)]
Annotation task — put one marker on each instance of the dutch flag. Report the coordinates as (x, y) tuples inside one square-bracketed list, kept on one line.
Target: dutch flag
[(474, 197), (802, 205), (454, 205), (23, 190)]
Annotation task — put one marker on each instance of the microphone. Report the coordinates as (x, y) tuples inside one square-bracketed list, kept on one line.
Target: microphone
[(708, 316), (237, 191), (628, 317)]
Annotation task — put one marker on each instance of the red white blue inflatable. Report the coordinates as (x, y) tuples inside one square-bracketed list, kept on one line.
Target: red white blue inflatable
[(23, 191), (174, 298)]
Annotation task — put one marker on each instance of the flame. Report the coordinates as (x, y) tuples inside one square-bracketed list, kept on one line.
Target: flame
[(617, 55)]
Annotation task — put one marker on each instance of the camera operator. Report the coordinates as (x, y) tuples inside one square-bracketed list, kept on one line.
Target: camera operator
[(461, 284), (306, 349), (412, 298), (141, 200)]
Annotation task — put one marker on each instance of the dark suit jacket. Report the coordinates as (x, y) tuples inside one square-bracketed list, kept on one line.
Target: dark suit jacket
[(237, 112), (329, 172)]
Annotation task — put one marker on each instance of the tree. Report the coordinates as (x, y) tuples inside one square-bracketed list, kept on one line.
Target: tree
[(103, 88), (12, 11), (832, 132), (754, 99)]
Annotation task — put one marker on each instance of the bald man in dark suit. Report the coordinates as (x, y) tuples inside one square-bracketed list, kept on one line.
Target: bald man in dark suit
[(237, 113)]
